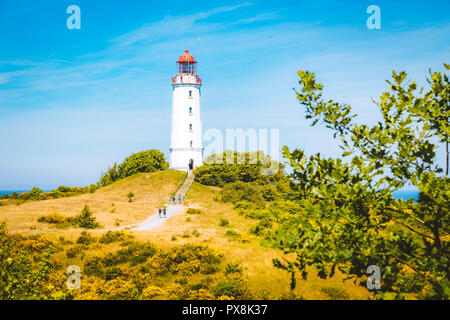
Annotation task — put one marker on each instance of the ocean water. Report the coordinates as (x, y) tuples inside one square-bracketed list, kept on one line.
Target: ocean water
[(2, 192), (406, 194), (401, 194)]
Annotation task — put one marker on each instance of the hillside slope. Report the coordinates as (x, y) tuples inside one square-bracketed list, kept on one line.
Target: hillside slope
[(109, 204), (152, 190)]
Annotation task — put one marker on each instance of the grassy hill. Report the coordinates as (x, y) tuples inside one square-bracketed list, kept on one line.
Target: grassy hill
[(111, 208)]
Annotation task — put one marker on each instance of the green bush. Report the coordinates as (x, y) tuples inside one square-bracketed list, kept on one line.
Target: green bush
[(193, 211), (137, 253), (234, 288), (232, 234), (261, 227), (241, 191), (73, 252), (28, 270), (145, 161), (335, 293), (85, 238), (85, 219), (114, 236), (214, 173), (233, 268), (224, 222), (54, 218), (113, 273), (34, 193), (94, 267)]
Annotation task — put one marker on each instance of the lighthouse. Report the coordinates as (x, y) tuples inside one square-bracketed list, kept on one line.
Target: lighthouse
[(186, 147)]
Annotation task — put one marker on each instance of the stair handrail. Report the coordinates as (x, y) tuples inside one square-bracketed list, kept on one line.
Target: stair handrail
[(179, 186)]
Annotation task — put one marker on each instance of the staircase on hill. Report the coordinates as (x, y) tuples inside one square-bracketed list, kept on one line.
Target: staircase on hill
[(184, 188)]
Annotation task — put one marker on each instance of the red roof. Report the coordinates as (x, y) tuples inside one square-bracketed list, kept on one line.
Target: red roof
[(186, 57)]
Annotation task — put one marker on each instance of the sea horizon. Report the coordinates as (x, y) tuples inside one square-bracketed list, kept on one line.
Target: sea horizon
[(399, 194)]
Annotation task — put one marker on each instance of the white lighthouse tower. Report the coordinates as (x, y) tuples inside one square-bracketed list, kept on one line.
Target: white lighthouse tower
[(186, 147)]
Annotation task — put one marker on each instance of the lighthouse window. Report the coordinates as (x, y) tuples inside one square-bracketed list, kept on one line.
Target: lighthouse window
[(190, 93), (190, 143), (190, 110), (190, 126)]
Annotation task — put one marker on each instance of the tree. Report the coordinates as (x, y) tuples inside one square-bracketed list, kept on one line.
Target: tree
[(34, 193), (85, 219), (218, 170), (145, 161), (350, 219), (130, 196)]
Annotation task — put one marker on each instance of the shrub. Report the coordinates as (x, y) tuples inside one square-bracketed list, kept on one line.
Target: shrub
[(196, 233), (73, 252), (202, 284), (224, 222), (34, 193), (138, 253), (114, 236), (233, 268), (93, 267), (193, 211), (234, 288), (214, 173), (239, 191), (188, 219), (145, 161), (28, 270), (120, 289), (335, 293), (208, 268), (187, 259), (260, 227), (54, 218), (92, 188), (152, 291), (130, 196), (185, 234), (113, 273), (232, 234), (85, 219), (85, 238)]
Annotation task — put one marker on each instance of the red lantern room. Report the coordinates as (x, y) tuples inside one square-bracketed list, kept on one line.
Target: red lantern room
[(187, 64)]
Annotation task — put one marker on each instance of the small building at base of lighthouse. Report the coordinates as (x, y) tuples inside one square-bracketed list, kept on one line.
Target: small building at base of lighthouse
[(186, 145)]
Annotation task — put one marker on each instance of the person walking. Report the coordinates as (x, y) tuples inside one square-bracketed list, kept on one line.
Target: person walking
[(173, 200), (164, 212), (179, 198), (160, 211)]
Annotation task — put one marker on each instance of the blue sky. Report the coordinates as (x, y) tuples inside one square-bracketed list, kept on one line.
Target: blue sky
[(72, 102)]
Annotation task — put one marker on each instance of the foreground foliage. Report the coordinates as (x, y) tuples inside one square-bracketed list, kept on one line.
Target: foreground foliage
[(349, 219), (83, 220), (29, 269)]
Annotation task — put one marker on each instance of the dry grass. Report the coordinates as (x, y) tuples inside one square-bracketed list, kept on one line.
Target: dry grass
[(150, 191), (109, 204), (256, 259)]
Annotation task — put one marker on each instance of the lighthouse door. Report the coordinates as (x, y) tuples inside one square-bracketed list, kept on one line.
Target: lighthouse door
[(191, 164)]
